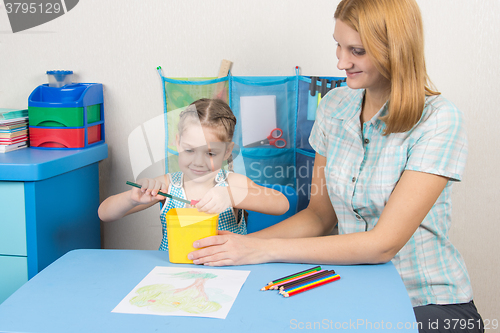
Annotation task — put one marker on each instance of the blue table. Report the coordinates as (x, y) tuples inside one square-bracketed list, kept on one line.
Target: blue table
[(77, 292)]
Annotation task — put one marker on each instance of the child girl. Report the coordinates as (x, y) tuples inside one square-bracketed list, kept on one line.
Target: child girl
[(203, 141)]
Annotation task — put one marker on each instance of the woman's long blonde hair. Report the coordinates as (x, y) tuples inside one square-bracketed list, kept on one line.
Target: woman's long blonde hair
[(392, 33)]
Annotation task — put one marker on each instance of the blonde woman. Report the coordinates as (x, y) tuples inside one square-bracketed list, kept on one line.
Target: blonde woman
[(388, 149)]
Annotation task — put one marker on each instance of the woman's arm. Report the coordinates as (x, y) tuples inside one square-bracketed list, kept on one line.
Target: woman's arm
[(408, 205), (134, 200), (411, 200), (317, 219)]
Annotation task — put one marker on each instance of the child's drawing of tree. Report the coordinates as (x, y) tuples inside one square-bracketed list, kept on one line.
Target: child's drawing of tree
[(168, 298)]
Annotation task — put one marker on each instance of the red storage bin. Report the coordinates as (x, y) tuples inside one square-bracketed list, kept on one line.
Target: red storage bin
[(63, 137)]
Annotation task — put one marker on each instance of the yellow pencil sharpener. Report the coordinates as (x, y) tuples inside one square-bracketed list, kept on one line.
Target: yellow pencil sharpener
[(184, 227)]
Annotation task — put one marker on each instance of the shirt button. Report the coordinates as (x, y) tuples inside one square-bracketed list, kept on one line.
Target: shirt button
[(367, 141), (358, 217), (353, 179)]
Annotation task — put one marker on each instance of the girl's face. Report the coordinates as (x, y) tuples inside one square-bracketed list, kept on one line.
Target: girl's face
[(201, 152), (360, 70)]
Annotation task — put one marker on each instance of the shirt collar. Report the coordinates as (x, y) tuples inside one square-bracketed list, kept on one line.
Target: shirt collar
[(375, 120), (350, 105), (351, 115)]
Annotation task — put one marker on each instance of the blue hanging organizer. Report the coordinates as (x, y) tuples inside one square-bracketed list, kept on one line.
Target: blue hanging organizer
[(294, 99)]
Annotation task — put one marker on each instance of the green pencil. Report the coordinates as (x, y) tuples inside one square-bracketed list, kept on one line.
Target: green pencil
[(317, 268), (192, 202)]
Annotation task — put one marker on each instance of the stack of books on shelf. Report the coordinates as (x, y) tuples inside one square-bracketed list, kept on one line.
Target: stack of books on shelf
[(13, 129)]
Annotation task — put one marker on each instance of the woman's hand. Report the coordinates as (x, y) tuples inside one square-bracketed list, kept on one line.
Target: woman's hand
[(148, 192), (227, 249), (215, 201)]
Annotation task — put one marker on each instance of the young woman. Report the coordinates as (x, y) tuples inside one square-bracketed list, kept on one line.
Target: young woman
[(388, 149)]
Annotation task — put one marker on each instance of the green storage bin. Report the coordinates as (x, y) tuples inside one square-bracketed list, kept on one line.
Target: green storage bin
[(63, 117)]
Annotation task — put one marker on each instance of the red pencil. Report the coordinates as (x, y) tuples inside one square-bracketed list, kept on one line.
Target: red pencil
[(297, 291), (306, 279), (306, 284)]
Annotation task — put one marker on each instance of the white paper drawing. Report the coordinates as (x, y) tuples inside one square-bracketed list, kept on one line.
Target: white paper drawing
[(175, 291)]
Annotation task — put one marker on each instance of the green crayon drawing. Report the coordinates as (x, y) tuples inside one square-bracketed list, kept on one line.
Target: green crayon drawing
[(192, 299)]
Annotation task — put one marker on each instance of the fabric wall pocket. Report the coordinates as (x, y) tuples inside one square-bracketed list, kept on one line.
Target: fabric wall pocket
[(311, 90), (262, 104), (178, 94), (267, 166), (304, 125), (304, 169)]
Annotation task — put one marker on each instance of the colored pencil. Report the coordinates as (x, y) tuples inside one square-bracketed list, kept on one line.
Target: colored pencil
[(307, 284), (273, 286), (300, 274), (317, 268), (295, 279), (192, 202), (312, 286), (305, 280)]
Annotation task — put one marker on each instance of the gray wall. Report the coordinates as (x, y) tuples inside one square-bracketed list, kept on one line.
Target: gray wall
[(121, 42)]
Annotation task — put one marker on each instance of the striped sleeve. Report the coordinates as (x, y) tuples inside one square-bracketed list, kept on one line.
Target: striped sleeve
[(440, 145)]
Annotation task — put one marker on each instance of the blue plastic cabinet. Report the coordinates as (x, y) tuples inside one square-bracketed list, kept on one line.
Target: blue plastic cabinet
[(69, 117), (48, 206)]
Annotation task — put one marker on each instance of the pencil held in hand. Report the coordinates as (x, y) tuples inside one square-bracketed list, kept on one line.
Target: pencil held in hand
[(192, 202)]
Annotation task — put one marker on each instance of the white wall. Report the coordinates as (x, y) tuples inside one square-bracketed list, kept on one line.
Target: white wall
[(121, 42)]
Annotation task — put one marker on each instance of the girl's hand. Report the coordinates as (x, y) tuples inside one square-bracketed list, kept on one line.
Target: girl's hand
[(228, 248), (148, 192), (215, 201)]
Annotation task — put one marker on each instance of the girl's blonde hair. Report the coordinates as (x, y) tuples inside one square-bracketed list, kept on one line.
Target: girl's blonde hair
[(392, 33), (213, 113)]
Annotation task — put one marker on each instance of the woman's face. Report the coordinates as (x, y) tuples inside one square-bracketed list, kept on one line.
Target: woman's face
[(360, 70)]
